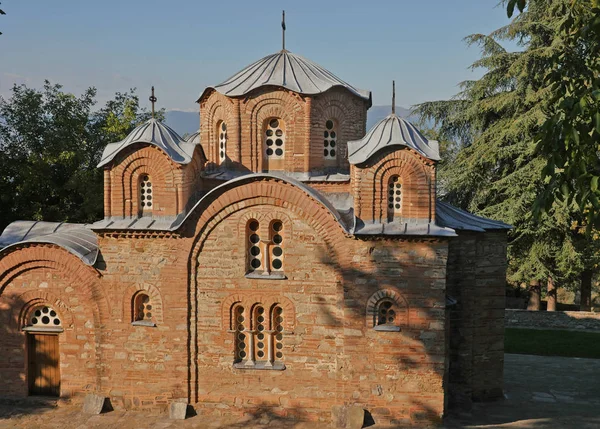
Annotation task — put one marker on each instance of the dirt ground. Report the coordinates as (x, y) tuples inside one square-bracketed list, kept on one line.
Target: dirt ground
[(541, 393)]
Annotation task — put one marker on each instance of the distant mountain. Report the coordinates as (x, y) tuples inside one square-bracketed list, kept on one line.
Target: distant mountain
[(183, 122), (189, 122)]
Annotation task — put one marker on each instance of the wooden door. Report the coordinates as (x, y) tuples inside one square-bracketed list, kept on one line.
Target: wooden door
[(44, 374)]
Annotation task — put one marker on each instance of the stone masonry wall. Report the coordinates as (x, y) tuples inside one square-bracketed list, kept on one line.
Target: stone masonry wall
[(569, 320), (332, 353), (476, 279)]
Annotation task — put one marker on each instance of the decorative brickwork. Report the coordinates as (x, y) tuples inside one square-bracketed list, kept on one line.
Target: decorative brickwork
[(371, 185), (262, 297)]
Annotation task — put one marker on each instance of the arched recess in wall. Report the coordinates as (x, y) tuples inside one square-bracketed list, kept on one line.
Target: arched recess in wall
[(217, 107), (265, 109), (129, 297), (340, 113), (153, 162), (263, 190), (66, 265), (413, 173)]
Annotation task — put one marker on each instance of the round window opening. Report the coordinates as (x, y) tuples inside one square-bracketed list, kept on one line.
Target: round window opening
[(45, 317)]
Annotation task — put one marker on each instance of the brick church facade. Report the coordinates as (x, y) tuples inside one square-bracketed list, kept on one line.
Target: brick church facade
[(283, 257)]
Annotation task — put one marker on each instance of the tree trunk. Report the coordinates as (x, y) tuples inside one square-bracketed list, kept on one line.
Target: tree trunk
[(535, 288), (586, 291), (551, 295)]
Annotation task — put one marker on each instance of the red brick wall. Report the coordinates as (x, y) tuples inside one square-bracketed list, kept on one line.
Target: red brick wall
[(304, 118), (172, 183), (370, 184), (332, 354), (48, 275)]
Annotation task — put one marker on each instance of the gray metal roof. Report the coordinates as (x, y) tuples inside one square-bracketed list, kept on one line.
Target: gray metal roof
[(76, 238), (194, 138), (391, 131), (287, 70), (452, 217), (408, 227), (155, 133)]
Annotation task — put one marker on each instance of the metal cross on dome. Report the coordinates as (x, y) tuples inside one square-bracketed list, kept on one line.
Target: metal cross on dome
[(152, 100)]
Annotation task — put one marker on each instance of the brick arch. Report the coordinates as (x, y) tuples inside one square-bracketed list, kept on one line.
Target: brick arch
[(264, 220), (46, 256), (155, 298), (343, 115), (218, 108), (260, 191), (280, 104), (393, 295), (417, 175), (33, 298), (250, 300), (153, 161)]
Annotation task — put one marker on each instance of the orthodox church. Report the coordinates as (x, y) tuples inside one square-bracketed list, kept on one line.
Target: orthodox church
[(283, 257)]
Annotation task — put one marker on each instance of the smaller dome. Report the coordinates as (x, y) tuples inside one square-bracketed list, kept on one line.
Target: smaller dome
[(392, 131), (155, 133)]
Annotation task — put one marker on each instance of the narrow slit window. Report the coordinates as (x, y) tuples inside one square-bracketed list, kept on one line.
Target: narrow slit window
[(259, 328), (394, 202), (277, 323), (275, 139), (222, 132), (330, 140), (146, 193), (238, 320), (276, 247), (255, 253)]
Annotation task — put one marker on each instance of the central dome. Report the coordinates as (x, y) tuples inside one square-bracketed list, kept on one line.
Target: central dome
[(287, 70)]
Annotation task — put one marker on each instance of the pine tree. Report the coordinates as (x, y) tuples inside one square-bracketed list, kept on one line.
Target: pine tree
[(498, 171)]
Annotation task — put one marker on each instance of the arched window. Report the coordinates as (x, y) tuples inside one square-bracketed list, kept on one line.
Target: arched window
[(146, 194), (44, 317), (239, 328), (274, 147), (386, 312), (277, 324), (258, 324), (276, 246), (258, 347), (142, 307), (255, 253), (222, 133), (330, 140), (394, 202)]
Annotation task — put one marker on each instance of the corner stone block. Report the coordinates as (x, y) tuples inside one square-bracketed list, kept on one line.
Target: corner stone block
[(348, 416), (93, 403), (178, 410)]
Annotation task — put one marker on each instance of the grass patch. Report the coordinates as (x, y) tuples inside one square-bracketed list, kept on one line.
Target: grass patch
[(546, 342)]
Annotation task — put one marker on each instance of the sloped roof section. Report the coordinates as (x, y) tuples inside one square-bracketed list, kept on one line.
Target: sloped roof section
[(448, 216), (76, 238), (155, 133), (286, 70), (194, 138), (392, 131)]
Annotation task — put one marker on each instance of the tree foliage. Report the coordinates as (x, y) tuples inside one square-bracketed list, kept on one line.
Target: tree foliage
[(50, 144), (496, 121)]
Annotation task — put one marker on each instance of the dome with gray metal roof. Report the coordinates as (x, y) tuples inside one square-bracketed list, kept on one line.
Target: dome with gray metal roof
[(287, 70), (392, 131), (155, 133)]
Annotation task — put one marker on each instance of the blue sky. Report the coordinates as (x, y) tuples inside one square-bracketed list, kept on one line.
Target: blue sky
[(182, 46)]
